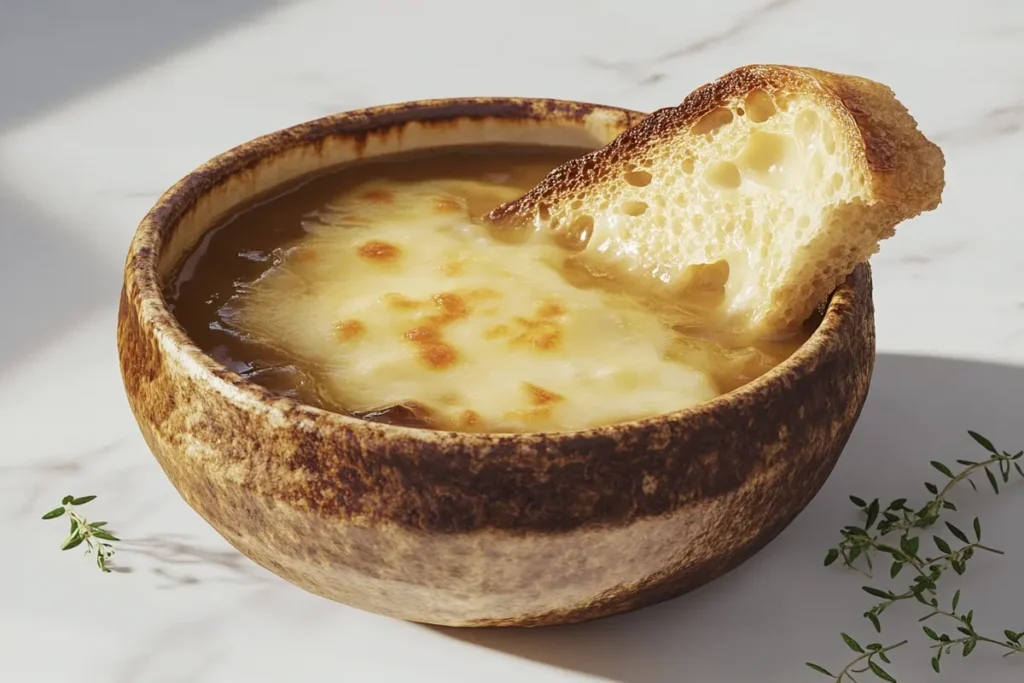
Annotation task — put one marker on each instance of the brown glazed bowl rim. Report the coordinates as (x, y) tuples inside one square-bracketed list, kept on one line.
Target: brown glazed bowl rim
[(142, 274)]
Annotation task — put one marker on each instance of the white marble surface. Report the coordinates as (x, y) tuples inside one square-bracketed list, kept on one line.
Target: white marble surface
[(106, 103)]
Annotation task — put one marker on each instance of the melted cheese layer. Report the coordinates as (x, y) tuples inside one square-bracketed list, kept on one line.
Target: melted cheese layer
[(396, 296)]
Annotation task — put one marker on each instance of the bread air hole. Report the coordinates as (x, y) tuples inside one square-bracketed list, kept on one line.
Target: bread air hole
[(707, 276), (784, 102), (760, 106), (639, 178), (769, 158), (724, 174), (712, 121), (577, 237), (634, 208)]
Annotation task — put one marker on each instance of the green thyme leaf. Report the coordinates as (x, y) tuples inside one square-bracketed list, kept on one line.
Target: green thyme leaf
[(880, 672), (992, 480), (852, 644), (985, 443), (820, 669), (72, 541), (878, 593), (873, 618), (961, 536)]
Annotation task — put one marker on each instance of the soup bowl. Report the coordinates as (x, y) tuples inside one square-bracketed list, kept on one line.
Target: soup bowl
[(469, 529)]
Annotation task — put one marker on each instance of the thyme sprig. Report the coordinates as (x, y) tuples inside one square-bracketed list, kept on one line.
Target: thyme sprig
[(96, 539), (864, 663), (893, 532), (969, 637)]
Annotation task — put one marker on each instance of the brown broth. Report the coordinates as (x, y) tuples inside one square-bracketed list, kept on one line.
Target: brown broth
[(256, 238)]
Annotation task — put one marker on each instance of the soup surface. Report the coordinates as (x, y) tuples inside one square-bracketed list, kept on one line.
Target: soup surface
[(375, 290)]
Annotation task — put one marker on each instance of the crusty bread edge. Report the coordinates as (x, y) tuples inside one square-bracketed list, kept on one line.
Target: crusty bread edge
[(906, 168)]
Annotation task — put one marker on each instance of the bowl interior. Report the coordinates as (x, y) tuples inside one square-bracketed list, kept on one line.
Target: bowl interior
[(259, 167)]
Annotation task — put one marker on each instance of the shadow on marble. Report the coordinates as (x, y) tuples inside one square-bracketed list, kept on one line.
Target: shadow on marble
[(52, 52), (57, 50), (50, 280), (177, 560), (918, 409)]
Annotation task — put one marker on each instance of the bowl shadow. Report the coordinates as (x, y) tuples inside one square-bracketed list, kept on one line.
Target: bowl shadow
[(763, 620)]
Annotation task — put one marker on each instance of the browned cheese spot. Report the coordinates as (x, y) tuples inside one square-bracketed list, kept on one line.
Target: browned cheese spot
[(450, 307), (483, 294), (541, 334), (499, 330), (398, 302), (548, 341), (439, 355), (436, 353), (305, 255), (469, 418), (550, 309), (446, 205), (539, 396), (452, 267), (378, 197), (424, 334), (347, 330), (378, 251)]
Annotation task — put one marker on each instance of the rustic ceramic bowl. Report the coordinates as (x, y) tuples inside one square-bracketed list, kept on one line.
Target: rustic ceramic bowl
[(473, 529)]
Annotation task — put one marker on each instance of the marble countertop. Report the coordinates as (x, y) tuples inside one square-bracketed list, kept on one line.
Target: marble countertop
[(105, 104)]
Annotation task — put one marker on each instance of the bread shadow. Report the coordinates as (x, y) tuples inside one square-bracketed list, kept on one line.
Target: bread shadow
[(766, 618)]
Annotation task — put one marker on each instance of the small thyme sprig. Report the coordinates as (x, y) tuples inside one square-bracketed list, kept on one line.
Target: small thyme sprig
[(865, 543), (866, 661), (95, 537), (969, 636)]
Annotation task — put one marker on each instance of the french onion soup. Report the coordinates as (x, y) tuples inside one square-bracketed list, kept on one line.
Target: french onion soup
[(377, 290)]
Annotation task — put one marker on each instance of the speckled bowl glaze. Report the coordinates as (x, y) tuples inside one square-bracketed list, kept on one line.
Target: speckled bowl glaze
[(473, 529)]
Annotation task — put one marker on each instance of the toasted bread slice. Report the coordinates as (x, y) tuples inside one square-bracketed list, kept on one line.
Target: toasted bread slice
[(777, 180)]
